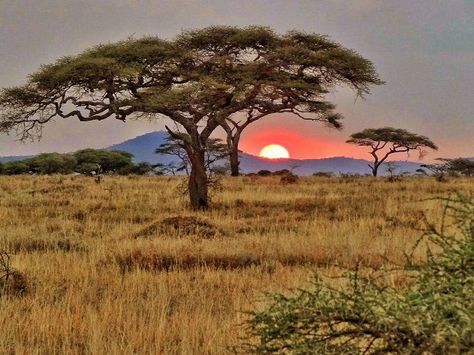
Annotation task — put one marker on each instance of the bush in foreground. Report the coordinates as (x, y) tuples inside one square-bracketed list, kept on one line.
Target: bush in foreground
[(433, 315)]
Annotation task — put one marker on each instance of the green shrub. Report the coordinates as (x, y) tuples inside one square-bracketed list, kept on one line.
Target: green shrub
[(433, 315)]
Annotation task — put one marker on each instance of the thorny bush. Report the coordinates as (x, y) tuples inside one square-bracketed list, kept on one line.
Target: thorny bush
[(433, 315)]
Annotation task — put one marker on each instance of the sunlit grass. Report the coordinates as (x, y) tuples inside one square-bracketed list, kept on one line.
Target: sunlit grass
[(119, 267)]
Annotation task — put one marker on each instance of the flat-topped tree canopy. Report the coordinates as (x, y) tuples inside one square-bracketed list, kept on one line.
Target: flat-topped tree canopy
[(201, 80), (268, 73), (401, 139), (387, 141)]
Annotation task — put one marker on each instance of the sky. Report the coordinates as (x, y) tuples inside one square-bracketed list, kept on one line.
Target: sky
[(423, 50)]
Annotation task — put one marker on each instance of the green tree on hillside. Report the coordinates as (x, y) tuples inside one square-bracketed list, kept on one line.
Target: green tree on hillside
[(383, 142), (198, 81)]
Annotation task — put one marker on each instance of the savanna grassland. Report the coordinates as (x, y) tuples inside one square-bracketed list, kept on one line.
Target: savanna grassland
[(124, 266)]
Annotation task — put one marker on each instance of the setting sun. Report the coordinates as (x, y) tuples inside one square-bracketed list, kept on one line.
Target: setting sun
[(274, 151)]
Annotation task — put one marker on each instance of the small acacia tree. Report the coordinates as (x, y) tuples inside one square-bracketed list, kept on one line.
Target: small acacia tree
[(198, 81), (386, 141), (216, 150)]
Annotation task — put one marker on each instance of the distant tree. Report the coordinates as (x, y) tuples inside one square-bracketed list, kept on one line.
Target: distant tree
[(215, 151), (461, 166), (52, 163), (197, 81), (172, 147), (143, 168), (89, 160), (457, 166), (394, 172), (386, 141), (16, 168)]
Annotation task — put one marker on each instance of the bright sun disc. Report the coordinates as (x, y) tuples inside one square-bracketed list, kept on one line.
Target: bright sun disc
[(274, 151)]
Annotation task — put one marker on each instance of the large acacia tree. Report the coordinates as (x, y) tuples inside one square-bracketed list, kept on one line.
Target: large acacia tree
[(201, 80), (383, 142), (266, 73)]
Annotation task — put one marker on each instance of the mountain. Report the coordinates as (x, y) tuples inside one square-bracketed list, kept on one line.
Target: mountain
[(143, 148)]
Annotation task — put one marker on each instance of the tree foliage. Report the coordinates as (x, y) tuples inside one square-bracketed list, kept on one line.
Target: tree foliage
[(199, 81), (450, 167), (83, 161), (386, 141), (433, 315)]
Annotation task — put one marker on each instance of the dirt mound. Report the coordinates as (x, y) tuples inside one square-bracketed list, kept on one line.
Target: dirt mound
[(181, 226)]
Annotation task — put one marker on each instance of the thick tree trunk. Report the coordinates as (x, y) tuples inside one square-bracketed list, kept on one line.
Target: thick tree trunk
[(198, 183), (234, 161)]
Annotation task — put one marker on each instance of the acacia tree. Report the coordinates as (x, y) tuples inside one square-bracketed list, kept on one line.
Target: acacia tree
[(386, 141), (197, 81), (266, 73)]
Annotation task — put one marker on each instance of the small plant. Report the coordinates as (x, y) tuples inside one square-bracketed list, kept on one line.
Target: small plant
[(433, 315), (12, 282)]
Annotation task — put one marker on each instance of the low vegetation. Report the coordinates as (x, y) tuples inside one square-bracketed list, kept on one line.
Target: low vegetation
[(434, 314), (85, 161), (124, 267)]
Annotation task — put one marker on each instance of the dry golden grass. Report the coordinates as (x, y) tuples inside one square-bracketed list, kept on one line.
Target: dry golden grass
[(124, 267)]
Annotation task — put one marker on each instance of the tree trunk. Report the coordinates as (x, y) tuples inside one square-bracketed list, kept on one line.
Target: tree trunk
[(198, 182), (234, 161), (233, 145)]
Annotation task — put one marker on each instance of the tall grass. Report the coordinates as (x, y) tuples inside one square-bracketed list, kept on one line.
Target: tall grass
[(121, 267)]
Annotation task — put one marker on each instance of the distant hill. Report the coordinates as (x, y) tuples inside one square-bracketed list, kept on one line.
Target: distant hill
[(143, 148), (14, 158)]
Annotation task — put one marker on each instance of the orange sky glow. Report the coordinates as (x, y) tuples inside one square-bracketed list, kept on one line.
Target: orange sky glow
[(299, 145)]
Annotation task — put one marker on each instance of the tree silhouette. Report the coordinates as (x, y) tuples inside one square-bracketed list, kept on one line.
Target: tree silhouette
[(386, 141)]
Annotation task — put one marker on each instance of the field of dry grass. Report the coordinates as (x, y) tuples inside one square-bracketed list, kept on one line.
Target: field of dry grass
[(124, 267)]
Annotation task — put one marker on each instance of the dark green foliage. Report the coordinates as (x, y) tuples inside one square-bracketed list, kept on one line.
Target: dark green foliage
[(16, 168), (52, 163), (433, 315), (83, 161)]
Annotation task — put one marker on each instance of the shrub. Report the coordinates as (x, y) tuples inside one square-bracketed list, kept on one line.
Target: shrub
[(324, 174), (433, 315), (264, 173), (12, 282), (289, 179)]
